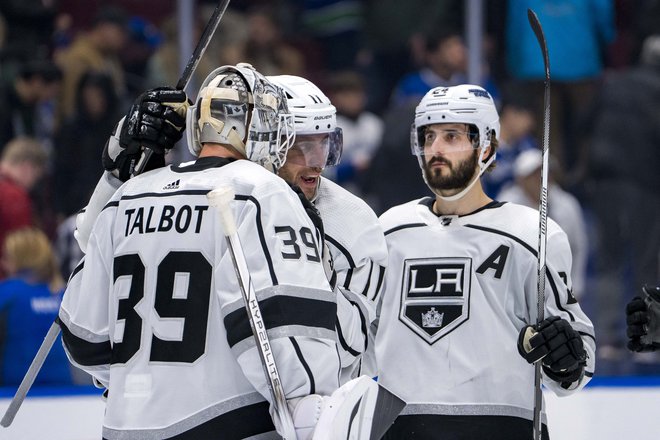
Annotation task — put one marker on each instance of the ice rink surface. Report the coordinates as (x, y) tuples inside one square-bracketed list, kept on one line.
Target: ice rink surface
[(625, 408)]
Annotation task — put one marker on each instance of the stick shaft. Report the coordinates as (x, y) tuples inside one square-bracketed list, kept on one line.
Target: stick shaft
[(31, 375), (543, 217)]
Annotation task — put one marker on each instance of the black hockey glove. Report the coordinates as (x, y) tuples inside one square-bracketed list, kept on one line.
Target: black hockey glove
[(155, 121), (558, 346), (643, 321)]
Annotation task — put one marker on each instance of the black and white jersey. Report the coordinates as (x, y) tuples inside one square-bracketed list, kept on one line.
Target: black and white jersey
[(357, 245), (457, 292), (157, 316)]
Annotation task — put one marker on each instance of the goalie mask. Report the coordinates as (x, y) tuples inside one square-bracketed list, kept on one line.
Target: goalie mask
[(238, 106), (317, 136), (465, 104)]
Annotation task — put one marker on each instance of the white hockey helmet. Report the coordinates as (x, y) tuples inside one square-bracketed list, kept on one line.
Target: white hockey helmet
[(464, 104), (238, 106), (313, 113)]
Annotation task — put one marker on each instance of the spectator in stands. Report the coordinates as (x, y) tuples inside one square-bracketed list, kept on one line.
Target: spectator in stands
[(80, 142), (29, 301), (29, 28), (577, 33), (20, 112), (362, 130), (624, 191), (21, 166), (394, 40), (96, 50), (393, 178), (445, 60), (265, 47), (517, 128), (563, 208)]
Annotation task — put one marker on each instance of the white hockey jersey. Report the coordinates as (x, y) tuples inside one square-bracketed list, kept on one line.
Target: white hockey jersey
[(456, 294), (157, 316), (357, 245)]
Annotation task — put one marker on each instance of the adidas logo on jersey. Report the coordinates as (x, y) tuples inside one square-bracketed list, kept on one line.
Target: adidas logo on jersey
[(173, 185)]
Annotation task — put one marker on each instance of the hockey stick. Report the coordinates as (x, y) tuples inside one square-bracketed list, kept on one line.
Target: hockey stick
[(31, 374), (221, 198), (196, 56), (543, 215)]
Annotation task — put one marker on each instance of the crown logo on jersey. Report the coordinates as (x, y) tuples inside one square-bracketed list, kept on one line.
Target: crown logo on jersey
[(173, 185), (432, 318)]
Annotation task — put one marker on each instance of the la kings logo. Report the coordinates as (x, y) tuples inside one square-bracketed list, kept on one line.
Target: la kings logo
[(436, 295)]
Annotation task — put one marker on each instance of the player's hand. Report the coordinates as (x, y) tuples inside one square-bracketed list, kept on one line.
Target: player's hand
[(557, 345), (639, 321), (155, 121)]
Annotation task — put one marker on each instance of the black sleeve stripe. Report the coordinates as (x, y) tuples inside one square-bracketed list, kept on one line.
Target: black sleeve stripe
[(85, 352), (341, 249), (279, 311), (186, 192), (406, 226), (589, 373), (347, 281), (365, 292), (312, 384), (381, 277), (555, 292), (77, 269), (363, 327), (262, 239), (506, 234), (588, 336), (113, 204), (343, 343)]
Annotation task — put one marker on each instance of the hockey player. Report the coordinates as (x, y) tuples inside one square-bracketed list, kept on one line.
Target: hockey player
[(643, 321), (156, 314), (457, 329), (353, 236)]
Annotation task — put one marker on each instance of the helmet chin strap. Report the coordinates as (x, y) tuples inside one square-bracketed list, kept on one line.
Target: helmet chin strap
[(482, 167), (316, 191)]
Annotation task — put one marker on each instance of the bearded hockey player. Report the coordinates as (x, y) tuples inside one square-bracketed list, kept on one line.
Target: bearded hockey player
[(353, 235), (457, 333)]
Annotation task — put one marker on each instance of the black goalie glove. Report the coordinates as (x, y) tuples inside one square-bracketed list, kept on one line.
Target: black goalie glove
[(558, 346), (155, 121), (643, 321)]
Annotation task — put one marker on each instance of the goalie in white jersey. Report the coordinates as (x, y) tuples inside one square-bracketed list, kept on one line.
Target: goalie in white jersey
[(156, 314), (353, 235), (456, 334)]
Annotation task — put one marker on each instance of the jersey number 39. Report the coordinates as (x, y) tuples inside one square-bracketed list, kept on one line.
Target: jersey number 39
[(193, 308)]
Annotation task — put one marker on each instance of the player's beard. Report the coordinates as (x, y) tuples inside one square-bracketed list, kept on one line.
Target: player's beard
[(459, 176)]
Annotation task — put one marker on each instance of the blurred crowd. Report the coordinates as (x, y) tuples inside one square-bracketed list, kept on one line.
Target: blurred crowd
[(69, 70)]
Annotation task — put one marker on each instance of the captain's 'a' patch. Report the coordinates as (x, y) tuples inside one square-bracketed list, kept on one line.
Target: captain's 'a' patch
[(436, 295)]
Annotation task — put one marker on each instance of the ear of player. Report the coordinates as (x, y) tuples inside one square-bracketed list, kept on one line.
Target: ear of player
[(643, 321), (156, 121), (557, 345)]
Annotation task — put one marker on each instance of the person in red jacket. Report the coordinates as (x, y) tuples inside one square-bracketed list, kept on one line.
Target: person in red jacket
[(22, 164)]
